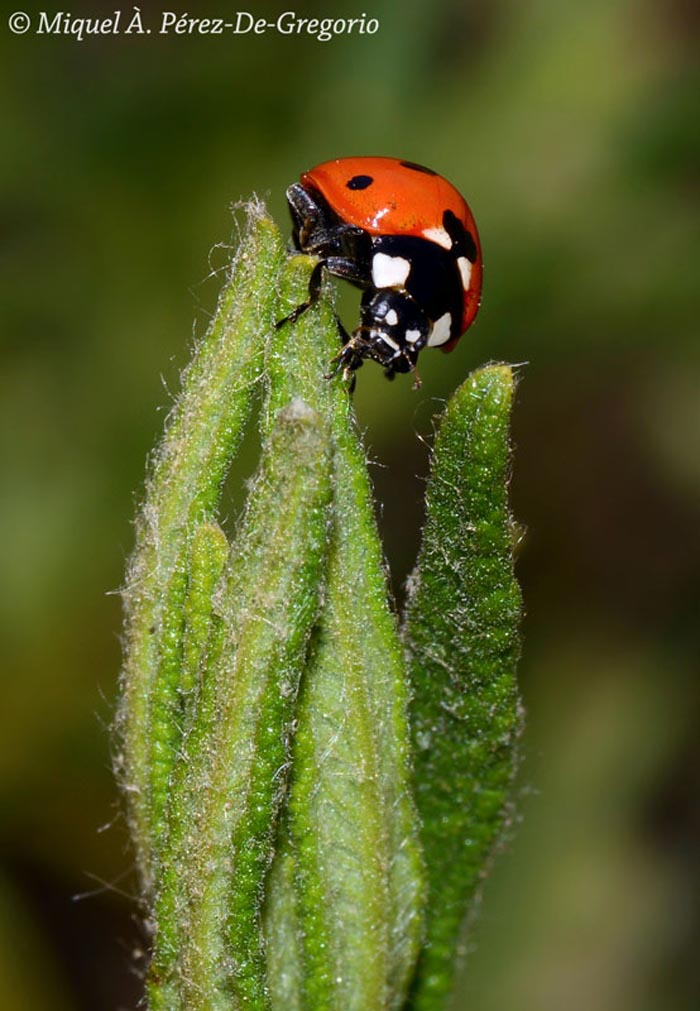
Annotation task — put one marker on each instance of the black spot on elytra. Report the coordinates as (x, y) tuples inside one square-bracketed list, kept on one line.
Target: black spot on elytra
[(418, 168), (359, 182), (463, 243)]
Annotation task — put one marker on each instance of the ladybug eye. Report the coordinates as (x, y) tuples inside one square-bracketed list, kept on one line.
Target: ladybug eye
[(359, 182)]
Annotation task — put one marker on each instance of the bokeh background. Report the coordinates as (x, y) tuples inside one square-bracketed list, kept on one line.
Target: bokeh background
[(572, 129)]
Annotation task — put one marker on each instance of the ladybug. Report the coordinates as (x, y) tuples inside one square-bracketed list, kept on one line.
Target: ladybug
[(407, 238)]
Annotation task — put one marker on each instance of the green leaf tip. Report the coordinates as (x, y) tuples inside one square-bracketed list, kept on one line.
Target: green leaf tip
[(462, 637), (183, 489)]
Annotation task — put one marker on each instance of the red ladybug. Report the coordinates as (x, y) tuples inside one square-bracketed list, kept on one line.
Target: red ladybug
[(405, 236)]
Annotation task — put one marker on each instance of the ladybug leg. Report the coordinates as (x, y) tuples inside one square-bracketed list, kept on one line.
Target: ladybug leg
[(349, 372), (348, 269), (391, 371), (339, 266), (344, 335), (306, 214), (316, 229), (348, 360), (315, 237), (315, 282)]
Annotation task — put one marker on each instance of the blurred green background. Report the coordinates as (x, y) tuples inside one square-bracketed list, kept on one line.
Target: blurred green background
[(572, 129)]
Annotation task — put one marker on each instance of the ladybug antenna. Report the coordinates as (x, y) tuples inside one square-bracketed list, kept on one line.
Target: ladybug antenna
[(412, 368)]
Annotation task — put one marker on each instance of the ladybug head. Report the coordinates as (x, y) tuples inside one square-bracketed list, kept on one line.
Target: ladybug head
[(392, 330)]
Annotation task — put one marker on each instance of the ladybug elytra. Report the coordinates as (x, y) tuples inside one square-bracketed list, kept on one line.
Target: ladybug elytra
[(407, 238)]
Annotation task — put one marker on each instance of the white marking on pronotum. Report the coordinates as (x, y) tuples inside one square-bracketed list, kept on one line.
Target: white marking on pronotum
[(441, 331), (438, 235), (392, 317), (389, 341), (412, 336), (389, 271), (465, 269)]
